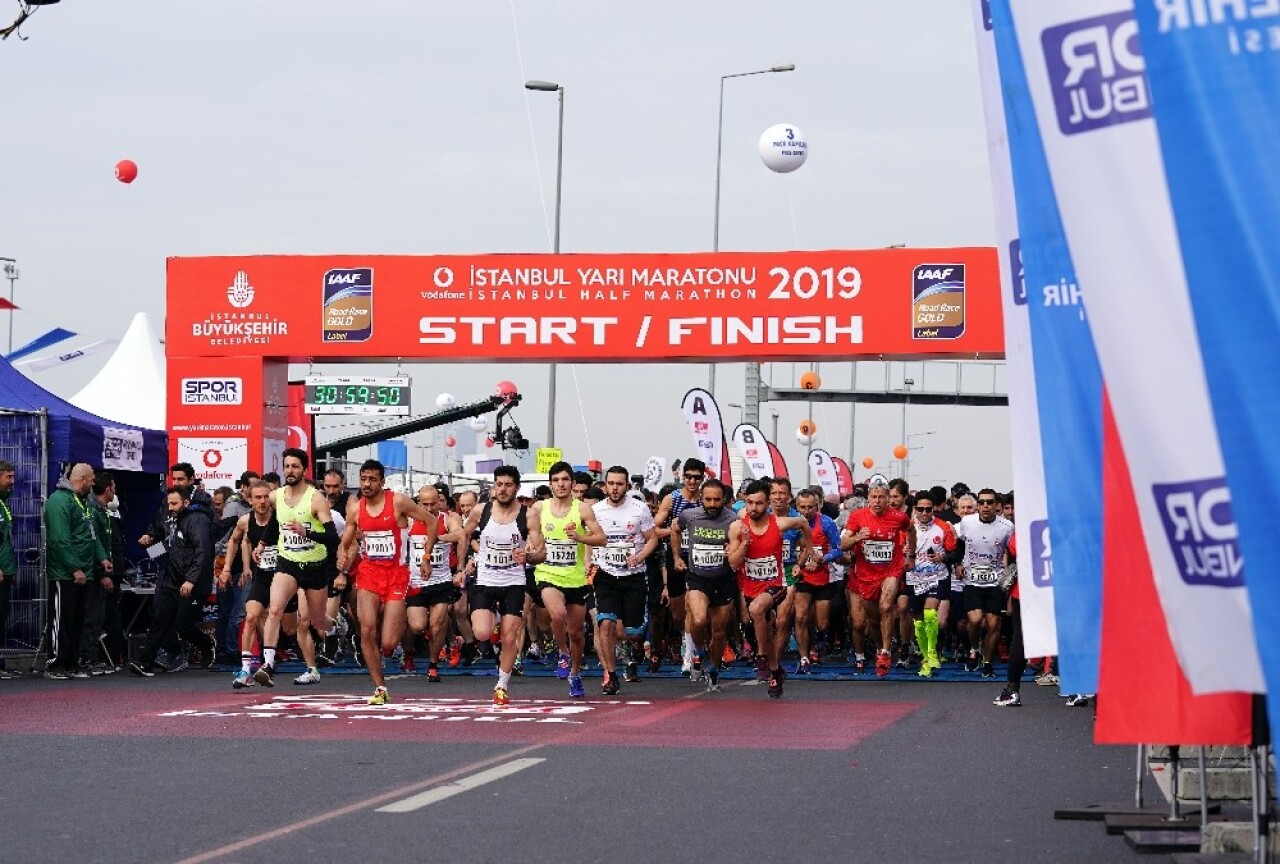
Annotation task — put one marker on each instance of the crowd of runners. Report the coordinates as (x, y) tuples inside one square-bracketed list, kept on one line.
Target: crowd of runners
[(588, 573)]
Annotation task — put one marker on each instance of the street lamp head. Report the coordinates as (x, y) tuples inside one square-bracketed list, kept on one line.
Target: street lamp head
[(783, 67), (544, 86)]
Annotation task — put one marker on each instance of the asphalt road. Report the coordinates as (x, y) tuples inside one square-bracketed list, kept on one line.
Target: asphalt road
[(181, 768)]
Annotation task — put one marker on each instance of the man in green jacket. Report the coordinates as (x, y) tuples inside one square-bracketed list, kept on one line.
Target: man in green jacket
[(72, 550)]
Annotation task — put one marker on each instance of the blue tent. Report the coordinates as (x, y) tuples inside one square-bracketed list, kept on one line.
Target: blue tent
[(70, 435)]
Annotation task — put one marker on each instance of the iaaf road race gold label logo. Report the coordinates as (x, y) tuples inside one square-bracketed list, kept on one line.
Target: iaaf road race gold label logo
[(937, 301), (239, 325)]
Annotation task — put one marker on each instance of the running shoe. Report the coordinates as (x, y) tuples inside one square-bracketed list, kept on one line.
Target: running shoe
[(311, 676), (518, 667), (500, 697), (266, 676), (804, 666), (576, 690), (655, 663), (815, 657), (973, 662), (380, 697), (631, 673), (241, 679), (534, 652), (455, 655), (562, 667), (728, 656), (934, 661), (1008, 699), (610, 687), (762, 669), (433, 673), (1079, 700), (859, 665), (926, 669), (747, 652), (882, 664), (713, 681), (1048, 679), (902, 662), (469, 654), (136, 668), (695, 668), (775, 684), (988, 671), (407, 665), (443, 656)]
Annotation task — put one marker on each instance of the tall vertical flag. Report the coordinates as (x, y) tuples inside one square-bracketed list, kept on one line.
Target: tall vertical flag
[(754, 449), (844, 476), (703, 416), (1086, 75), (1068, 385), (1038, 627), (779, 464), (1214, 76), (824, 471)]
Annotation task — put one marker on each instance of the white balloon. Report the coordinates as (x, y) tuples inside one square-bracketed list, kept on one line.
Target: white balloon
[(445, 400), (480, 424), (804, 439), (783, 148)]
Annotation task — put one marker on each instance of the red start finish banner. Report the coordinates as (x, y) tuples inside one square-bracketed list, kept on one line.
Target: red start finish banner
[(616, 307)]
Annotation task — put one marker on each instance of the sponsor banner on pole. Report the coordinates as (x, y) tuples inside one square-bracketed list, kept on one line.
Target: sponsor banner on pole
[(301, 425), (218, 461), (709, 306), (703, 416), (655, 471), (1214, 86), (824, 471), (121, 449), (844, 476), (1087, 79), (37, 364), (779, 464), (1037, 608), (754, 449), (726, 469)]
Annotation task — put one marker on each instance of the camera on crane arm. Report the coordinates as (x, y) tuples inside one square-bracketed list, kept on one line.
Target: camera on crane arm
[(510, 438)]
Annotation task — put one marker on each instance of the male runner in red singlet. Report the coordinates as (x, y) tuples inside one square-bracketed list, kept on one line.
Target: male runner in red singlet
[(755, 551), (433, 585), (381, 520), (882, 546)]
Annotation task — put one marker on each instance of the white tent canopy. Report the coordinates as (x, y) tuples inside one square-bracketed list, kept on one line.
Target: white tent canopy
[(130, 388)]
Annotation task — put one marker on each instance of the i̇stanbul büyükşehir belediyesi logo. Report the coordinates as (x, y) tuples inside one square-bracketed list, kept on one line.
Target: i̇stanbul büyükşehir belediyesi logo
[(238, 327)]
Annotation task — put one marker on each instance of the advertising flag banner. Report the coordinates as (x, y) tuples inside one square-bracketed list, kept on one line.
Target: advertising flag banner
[(1087, 79), (779, 464), (36, 364), (824, 471), (1215, 75), (844, 476), (1039, 629), (703, 416), (754, 449), (53, 337)]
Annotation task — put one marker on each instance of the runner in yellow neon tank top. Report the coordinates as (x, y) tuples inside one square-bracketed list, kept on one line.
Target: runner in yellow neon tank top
[(559, 529)]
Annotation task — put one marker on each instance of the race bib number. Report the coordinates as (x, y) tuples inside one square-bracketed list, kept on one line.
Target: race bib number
[(294, 542), (562, 553), (267, 558), (788, 553), (877, 551), (379, 545), (707, 557), (499, 554), (983, 576), (617, 555), (439, 556), (762, 569)]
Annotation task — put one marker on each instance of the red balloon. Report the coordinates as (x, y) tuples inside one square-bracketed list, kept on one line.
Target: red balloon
[(488, 442), (126, 170), (450, 441), (505, 389)]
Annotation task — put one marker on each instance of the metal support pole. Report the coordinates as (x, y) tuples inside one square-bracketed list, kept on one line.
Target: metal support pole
[(1141, 773), (551, 367), (1175, 767), (1204, 789)]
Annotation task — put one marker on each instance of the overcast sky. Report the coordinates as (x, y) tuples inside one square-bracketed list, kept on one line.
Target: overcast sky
[(403, 127)]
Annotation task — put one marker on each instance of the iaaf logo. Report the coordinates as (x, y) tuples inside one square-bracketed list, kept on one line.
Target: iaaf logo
[(1202, 531), (212, 391), (1041, 555), (1096, 72)]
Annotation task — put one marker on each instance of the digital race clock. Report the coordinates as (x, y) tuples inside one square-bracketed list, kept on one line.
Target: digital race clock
[(357, 395)]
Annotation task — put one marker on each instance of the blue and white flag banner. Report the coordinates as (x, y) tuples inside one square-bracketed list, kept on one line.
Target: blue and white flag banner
[(36, 364), (53, 337), (1086, 74), (1039, 630), (1214, 72)]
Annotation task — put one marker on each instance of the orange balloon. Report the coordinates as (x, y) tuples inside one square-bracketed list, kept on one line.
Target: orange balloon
[(808, 427), (868, 463), (810, 381), (900, 452)]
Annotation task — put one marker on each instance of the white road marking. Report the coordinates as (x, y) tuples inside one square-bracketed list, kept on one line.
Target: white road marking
[(439, 793)]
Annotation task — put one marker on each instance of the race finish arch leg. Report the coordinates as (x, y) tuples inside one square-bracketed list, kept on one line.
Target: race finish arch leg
[(234, 323)]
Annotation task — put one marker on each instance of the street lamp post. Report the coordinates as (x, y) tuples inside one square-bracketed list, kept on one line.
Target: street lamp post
[(549, 87), (906, 390), (751, 415), (11, 273), (906, 471)]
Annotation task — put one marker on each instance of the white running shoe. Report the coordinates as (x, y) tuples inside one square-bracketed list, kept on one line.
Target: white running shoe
[(311, 676)]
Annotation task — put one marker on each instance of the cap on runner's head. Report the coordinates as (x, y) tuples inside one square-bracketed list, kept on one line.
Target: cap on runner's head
[(877, 480), (959, 489)]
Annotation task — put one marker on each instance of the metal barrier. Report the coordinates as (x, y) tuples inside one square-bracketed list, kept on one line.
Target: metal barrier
[(23, 441)]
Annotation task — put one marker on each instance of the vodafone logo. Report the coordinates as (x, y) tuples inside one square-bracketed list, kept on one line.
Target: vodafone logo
[(212, 458), (218, 461)]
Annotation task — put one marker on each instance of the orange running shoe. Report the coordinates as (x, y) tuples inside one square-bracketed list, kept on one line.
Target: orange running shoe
[(883, 663), (728, 656), (455, 654), (500, 697)]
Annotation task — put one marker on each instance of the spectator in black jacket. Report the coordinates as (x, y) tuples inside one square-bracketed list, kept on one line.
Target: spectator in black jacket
[(186, 581)]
